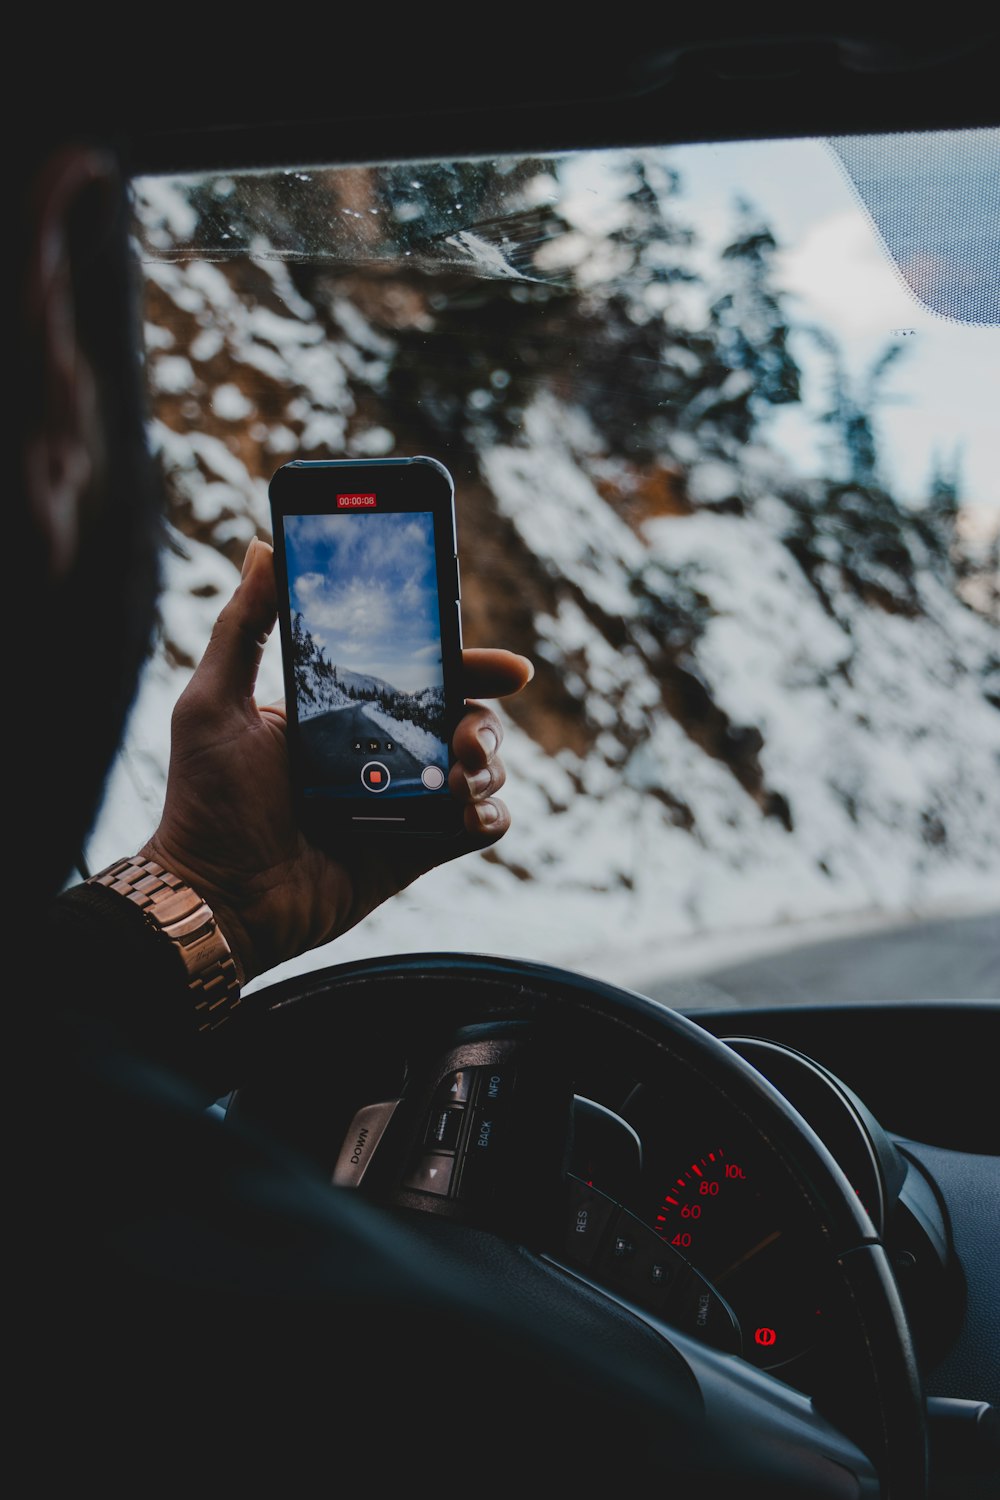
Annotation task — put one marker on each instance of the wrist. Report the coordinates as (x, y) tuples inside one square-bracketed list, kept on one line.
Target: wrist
[(214, 893), (179, 913)]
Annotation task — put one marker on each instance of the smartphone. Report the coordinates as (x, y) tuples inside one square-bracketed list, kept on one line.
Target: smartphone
[(369, 611)]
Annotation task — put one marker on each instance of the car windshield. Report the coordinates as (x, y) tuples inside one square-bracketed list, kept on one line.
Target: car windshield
[(722, 424)]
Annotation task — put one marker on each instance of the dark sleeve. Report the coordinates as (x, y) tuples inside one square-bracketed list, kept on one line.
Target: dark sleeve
[(121, 975)]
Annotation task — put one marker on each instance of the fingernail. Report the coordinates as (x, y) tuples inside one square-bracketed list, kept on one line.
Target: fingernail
[(488, 741), (248, 560), (487, 813), (479, 781), (531, 667)]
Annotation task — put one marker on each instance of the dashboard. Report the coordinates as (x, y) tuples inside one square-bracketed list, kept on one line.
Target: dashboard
[(648, 1177)]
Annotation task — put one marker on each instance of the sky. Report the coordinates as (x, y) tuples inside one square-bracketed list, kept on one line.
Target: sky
[(945, 391)]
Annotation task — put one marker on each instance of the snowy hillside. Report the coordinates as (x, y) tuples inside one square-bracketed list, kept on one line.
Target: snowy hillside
[(761, 697)]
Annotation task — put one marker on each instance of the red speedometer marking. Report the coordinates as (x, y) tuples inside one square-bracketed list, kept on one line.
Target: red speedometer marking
[(695, 1177)]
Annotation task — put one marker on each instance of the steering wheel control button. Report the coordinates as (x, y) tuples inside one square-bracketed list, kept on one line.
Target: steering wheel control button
[(637, 1262), (445, 1127), (375, 776), (588, 1215), (488, 1139), (484, 1150), (496, 1084), (707, 1316), (623, 1248), (457, 1087), (431, 1174), (466, 1133), (361, 1141)]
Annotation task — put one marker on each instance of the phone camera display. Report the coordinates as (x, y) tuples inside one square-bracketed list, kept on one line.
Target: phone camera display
[(366, 652)]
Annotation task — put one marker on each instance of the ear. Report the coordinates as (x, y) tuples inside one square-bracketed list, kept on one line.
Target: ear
[(64, 440)]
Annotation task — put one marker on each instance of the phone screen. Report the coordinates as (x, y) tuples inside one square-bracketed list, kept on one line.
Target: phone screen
[(369, 671)]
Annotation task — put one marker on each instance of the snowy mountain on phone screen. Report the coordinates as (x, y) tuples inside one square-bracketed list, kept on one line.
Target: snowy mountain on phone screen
[(322, 686)]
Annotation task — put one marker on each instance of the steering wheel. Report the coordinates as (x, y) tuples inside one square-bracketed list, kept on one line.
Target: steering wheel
[(442, 1086)]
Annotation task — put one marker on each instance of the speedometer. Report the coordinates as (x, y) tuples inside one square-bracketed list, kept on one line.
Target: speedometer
[(714, 1195), (718, 1212)]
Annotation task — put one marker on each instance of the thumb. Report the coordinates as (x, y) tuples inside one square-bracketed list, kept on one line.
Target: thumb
[(227, 673)]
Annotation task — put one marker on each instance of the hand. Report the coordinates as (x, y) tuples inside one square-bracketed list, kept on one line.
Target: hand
[(228, 827)]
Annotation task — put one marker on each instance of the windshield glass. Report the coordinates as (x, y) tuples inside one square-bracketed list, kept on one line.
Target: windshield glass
[(726, 471)]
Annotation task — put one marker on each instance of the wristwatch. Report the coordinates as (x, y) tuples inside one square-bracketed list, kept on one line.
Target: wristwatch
[(174, 909)]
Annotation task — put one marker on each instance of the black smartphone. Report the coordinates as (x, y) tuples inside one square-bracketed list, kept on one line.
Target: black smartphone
[(366, 559)]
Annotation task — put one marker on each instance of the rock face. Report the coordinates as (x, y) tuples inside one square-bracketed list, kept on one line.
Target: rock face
[(760, 694)]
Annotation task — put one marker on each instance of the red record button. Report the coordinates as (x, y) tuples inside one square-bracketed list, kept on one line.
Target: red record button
[(375, 776)]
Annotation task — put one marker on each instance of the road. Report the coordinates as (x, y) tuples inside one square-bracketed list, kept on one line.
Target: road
[(957, 958), (328, 740)]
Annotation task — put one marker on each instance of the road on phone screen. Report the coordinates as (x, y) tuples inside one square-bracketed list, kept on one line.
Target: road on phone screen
[(338, 744), (955, 958)]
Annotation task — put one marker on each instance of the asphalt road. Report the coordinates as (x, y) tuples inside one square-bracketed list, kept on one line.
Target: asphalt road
[(328, 743), (953, 959)]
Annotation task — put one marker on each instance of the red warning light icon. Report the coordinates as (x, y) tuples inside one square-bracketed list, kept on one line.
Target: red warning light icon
[(766, 1337)]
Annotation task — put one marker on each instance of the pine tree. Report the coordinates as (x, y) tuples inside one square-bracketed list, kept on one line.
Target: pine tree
[(748, 318)]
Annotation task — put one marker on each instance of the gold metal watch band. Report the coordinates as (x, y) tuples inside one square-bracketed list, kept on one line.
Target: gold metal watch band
[(177, 911)]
